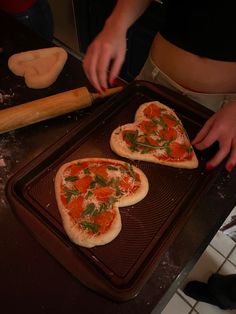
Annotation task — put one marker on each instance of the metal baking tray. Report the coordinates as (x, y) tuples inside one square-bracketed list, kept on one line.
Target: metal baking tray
[(119, 269)]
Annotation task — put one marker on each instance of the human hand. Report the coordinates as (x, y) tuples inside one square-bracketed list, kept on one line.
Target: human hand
[(106, 52), (220, 127)]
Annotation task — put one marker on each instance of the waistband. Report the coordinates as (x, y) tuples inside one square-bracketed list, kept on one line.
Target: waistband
[(214, 101)]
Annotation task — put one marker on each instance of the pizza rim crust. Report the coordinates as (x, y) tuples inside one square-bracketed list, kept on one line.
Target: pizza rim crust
[(79, 237)]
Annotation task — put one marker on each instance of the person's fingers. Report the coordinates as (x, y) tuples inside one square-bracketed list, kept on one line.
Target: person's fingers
[(230, 164), (202, 133), (90, 66), (208, 139), (103, 67), (115, 68), (223, 151)]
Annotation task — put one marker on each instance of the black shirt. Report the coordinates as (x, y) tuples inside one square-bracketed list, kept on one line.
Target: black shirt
[(204, 27)]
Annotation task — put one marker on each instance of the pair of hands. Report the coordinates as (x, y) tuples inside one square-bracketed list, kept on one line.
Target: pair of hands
[(102, 64)]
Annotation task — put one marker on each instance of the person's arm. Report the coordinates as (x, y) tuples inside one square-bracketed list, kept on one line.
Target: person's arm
[(221, 128), (108, 49)]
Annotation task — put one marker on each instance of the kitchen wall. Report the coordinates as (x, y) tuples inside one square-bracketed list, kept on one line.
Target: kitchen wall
[(64, 20)]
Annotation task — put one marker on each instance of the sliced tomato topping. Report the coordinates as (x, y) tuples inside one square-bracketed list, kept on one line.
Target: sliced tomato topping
[(75, 207), (103, 193), (73, 170), (125, 183), (152, 141), (83, 184), (76, 168), (179, 151), (169, 120), (152, 111), (100, 170), (168, 134), (63, 198), (105, 220), (147, 126)]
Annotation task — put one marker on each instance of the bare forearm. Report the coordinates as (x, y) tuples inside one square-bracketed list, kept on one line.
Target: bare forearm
[(126, 12)]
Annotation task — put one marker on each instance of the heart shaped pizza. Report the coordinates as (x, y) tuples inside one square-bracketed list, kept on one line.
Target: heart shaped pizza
[(40, 67), (157, 135), (89, 192)]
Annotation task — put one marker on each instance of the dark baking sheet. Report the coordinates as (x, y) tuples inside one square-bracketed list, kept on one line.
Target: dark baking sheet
[(119, 269)]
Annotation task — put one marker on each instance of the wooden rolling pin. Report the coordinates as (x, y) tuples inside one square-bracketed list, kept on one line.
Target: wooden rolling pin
[(52, 106)]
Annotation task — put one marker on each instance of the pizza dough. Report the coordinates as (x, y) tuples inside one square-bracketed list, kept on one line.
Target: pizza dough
[(157, 135), (89, 193), (40, 68)]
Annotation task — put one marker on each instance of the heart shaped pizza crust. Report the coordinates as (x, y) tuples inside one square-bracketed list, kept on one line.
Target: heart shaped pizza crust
[(40, 68), (89, 193), (157, 135)]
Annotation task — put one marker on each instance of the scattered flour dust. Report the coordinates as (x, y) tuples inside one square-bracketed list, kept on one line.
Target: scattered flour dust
[(8, 148), (9, 152), (5, 98)]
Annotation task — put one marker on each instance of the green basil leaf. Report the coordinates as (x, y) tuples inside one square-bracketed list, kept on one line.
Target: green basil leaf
[(100, 180), (71, 178), (112, 168), (118, 191), (90, 226), (130, 170), (69, 194), (103, 207), (92, 184), (88, 195), (112, 200), (89, 209), (87, 171), (96, 212)]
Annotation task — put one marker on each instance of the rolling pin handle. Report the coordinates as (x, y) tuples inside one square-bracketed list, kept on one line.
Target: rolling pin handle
[(107, 93)]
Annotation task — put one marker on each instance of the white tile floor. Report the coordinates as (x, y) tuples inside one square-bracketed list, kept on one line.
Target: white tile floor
[(220, 256)]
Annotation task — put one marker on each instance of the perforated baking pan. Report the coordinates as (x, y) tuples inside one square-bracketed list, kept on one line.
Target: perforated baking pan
[(119, 269)]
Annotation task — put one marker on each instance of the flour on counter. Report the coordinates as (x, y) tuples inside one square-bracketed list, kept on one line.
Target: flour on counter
[(9, 153), (5, 98)]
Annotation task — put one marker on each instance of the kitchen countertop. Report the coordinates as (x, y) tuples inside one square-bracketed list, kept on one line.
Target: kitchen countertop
[(31, 280)]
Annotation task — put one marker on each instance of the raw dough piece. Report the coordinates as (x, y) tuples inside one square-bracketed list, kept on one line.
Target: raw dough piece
[(40, 68)]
